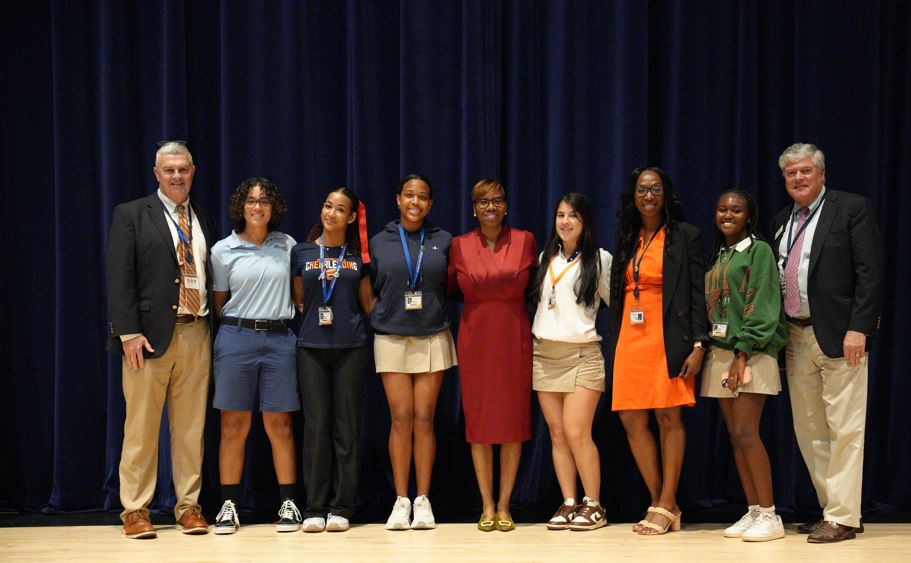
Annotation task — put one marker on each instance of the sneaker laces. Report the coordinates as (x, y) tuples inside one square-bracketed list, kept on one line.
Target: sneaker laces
[(227, 512), (289, 510), (589, 506), (766, 519)]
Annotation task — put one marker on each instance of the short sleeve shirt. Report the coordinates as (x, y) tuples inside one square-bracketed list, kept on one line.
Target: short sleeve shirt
[(349, 325), (257, 277)]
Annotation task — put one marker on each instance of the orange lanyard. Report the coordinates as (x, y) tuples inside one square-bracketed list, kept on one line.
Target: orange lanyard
[(550, 270)]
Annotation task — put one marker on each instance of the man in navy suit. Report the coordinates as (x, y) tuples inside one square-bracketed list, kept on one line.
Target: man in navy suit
[(830, 260), (158, 286)]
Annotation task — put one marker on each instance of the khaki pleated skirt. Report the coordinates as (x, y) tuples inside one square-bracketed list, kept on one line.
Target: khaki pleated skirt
[(414, 354), (766, 379), (560, 366)]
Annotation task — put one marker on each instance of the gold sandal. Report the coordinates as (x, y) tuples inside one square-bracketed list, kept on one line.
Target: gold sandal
[(507, 524), (637, 527), (652, 529)]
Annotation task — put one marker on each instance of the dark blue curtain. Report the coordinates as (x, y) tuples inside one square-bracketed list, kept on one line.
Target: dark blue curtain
[(548, 96)]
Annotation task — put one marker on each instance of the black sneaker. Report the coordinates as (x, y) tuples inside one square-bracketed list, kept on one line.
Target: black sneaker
[(289, 517), (226, 522)]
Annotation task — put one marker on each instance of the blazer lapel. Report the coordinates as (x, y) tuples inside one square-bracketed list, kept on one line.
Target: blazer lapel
[(673, 261), (823, 226), (155, 210)]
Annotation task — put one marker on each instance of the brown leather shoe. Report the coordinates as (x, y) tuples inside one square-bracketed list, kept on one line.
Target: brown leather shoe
[(831, 532), (810, 527), (136, 525), (192, 523)]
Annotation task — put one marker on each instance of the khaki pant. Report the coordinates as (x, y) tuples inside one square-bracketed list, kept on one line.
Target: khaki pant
[(829, 404), (180, 377)]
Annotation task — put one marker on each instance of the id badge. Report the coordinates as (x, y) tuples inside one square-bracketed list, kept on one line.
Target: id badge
[(719, 330), (414, 301), (552, 300), (636, 316), (190, 282), (325, 316)]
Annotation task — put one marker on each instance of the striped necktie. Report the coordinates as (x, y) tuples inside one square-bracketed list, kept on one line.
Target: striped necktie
[(189, 297)]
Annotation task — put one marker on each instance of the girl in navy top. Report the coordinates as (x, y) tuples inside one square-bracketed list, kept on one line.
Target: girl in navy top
[(332, 293), (412, 346)]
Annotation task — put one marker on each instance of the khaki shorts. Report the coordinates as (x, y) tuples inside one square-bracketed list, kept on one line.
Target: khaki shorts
[(414, 354), (766, 379), (560, 366)]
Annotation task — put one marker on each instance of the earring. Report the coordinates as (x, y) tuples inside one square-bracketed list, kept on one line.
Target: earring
[(474, 214)]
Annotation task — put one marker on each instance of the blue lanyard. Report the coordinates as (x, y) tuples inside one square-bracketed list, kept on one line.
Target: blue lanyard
[(413, 275), (327, 293), (187, 241), (802, 228)]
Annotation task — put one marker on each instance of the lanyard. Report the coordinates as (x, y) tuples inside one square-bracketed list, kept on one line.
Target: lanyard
[(569, 264), (800, 231), (187, 241), (637, 263), (327, 293), (416, 273)]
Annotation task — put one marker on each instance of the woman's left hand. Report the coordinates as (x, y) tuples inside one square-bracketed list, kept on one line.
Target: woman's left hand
[(693, 363)]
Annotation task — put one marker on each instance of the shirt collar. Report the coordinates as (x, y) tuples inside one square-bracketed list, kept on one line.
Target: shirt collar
[(234, 240), (813, 205), (744, 244), (169, 204)]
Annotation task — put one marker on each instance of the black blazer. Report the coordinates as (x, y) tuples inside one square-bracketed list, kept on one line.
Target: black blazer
[(683, 297), (845, 269), (143, 276)]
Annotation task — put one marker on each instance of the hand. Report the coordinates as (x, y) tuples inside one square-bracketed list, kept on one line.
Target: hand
[(735, 372), (132, 350), (854, 345), (693, 363)]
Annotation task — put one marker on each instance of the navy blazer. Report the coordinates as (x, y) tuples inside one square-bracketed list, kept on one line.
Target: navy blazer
[(845, 276), (683, 297), (143, 276)]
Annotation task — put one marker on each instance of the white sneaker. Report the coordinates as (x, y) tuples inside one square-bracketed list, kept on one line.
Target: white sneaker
[(767, 527), (400, 517), (423, 514), (227, 521), (314, 524), (738, 528), (336, 523), (289, 517)]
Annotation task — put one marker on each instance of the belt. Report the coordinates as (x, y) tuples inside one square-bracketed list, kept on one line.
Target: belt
[(801, 322), (264, 325), (186, 319)]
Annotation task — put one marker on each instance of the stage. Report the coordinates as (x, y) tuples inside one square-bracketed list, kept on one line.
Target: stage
[(449, 542)]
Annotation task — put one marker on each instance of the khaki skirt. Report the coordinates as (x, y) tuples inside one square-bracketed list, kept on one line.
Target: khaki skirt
[(766, 379), (560, 366), (414, 354)]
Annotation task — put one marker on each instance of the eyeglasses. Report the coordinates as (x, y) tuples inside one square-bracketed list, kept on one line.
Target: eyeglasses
[(263, 202), (483, 203), (656, 189)]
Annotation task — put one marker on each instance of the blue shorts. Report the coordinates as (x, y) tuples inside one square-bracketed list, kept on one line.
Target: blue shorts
[(252, 364)]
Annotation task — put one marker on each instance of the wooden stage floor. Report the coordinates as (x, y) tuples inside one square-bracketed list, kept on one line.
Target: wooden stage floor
[(882, 543)]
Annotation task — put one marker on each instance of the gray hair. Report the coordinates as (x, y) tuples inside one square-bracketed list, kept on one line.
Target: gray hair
[(800, 151), (173, 147)]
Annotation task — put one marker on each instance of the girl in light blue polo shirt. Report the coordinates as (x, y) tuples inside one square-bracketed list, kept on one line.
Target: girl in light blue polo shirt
[(254, 350)]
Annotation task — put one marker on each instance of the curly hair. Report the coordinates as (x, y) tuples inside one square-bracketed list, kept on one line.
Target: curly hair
[(352, 233), (410, 177), (629, 221), (237, 199), (586, 287)]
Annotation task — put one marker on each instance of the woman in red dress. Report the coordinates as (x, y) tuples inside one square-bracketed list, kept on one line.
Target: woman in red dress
[(490, 267)]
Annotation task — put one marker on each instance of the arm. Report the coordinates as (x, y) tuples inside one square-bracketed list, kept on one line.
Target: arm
[(697, 318), (219, 298), (453, 290), (866, 253), (365, 295), (604, 280), (297, 293)]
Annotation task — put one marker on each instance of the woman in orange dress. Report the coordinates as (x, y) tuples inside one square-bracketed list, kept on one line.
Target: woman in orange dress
[(657, 332)]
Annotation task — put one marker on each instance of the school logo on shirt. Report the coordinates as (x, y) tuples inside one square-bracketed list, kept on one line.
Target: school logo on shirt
[(331, 264)]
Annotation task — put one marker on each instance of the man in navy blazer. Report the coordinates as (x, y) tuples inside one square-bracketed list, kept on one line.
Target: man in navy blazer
[(830, 259), (158, 285)]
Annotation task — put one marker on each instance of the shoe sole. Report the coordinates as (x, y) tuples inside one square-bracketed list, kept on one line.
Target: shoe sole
[(587, 527), (312, 530), (733, 534), (193, 531), (848, 537), (761, 539), (223, 531), (287, 528), (557, 527), (336, 528), (423, 525), (397, 527), (142, 535)]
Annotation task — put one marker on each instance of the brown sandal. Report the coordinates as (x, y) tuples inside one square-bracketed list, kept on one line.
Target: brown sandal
[(652, 529)]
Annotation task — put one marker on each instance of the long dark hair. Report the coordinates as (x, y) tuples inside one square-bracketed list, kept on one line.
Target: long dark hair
[(586, 287), (352, 235), (629, 222), (752, 223)]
